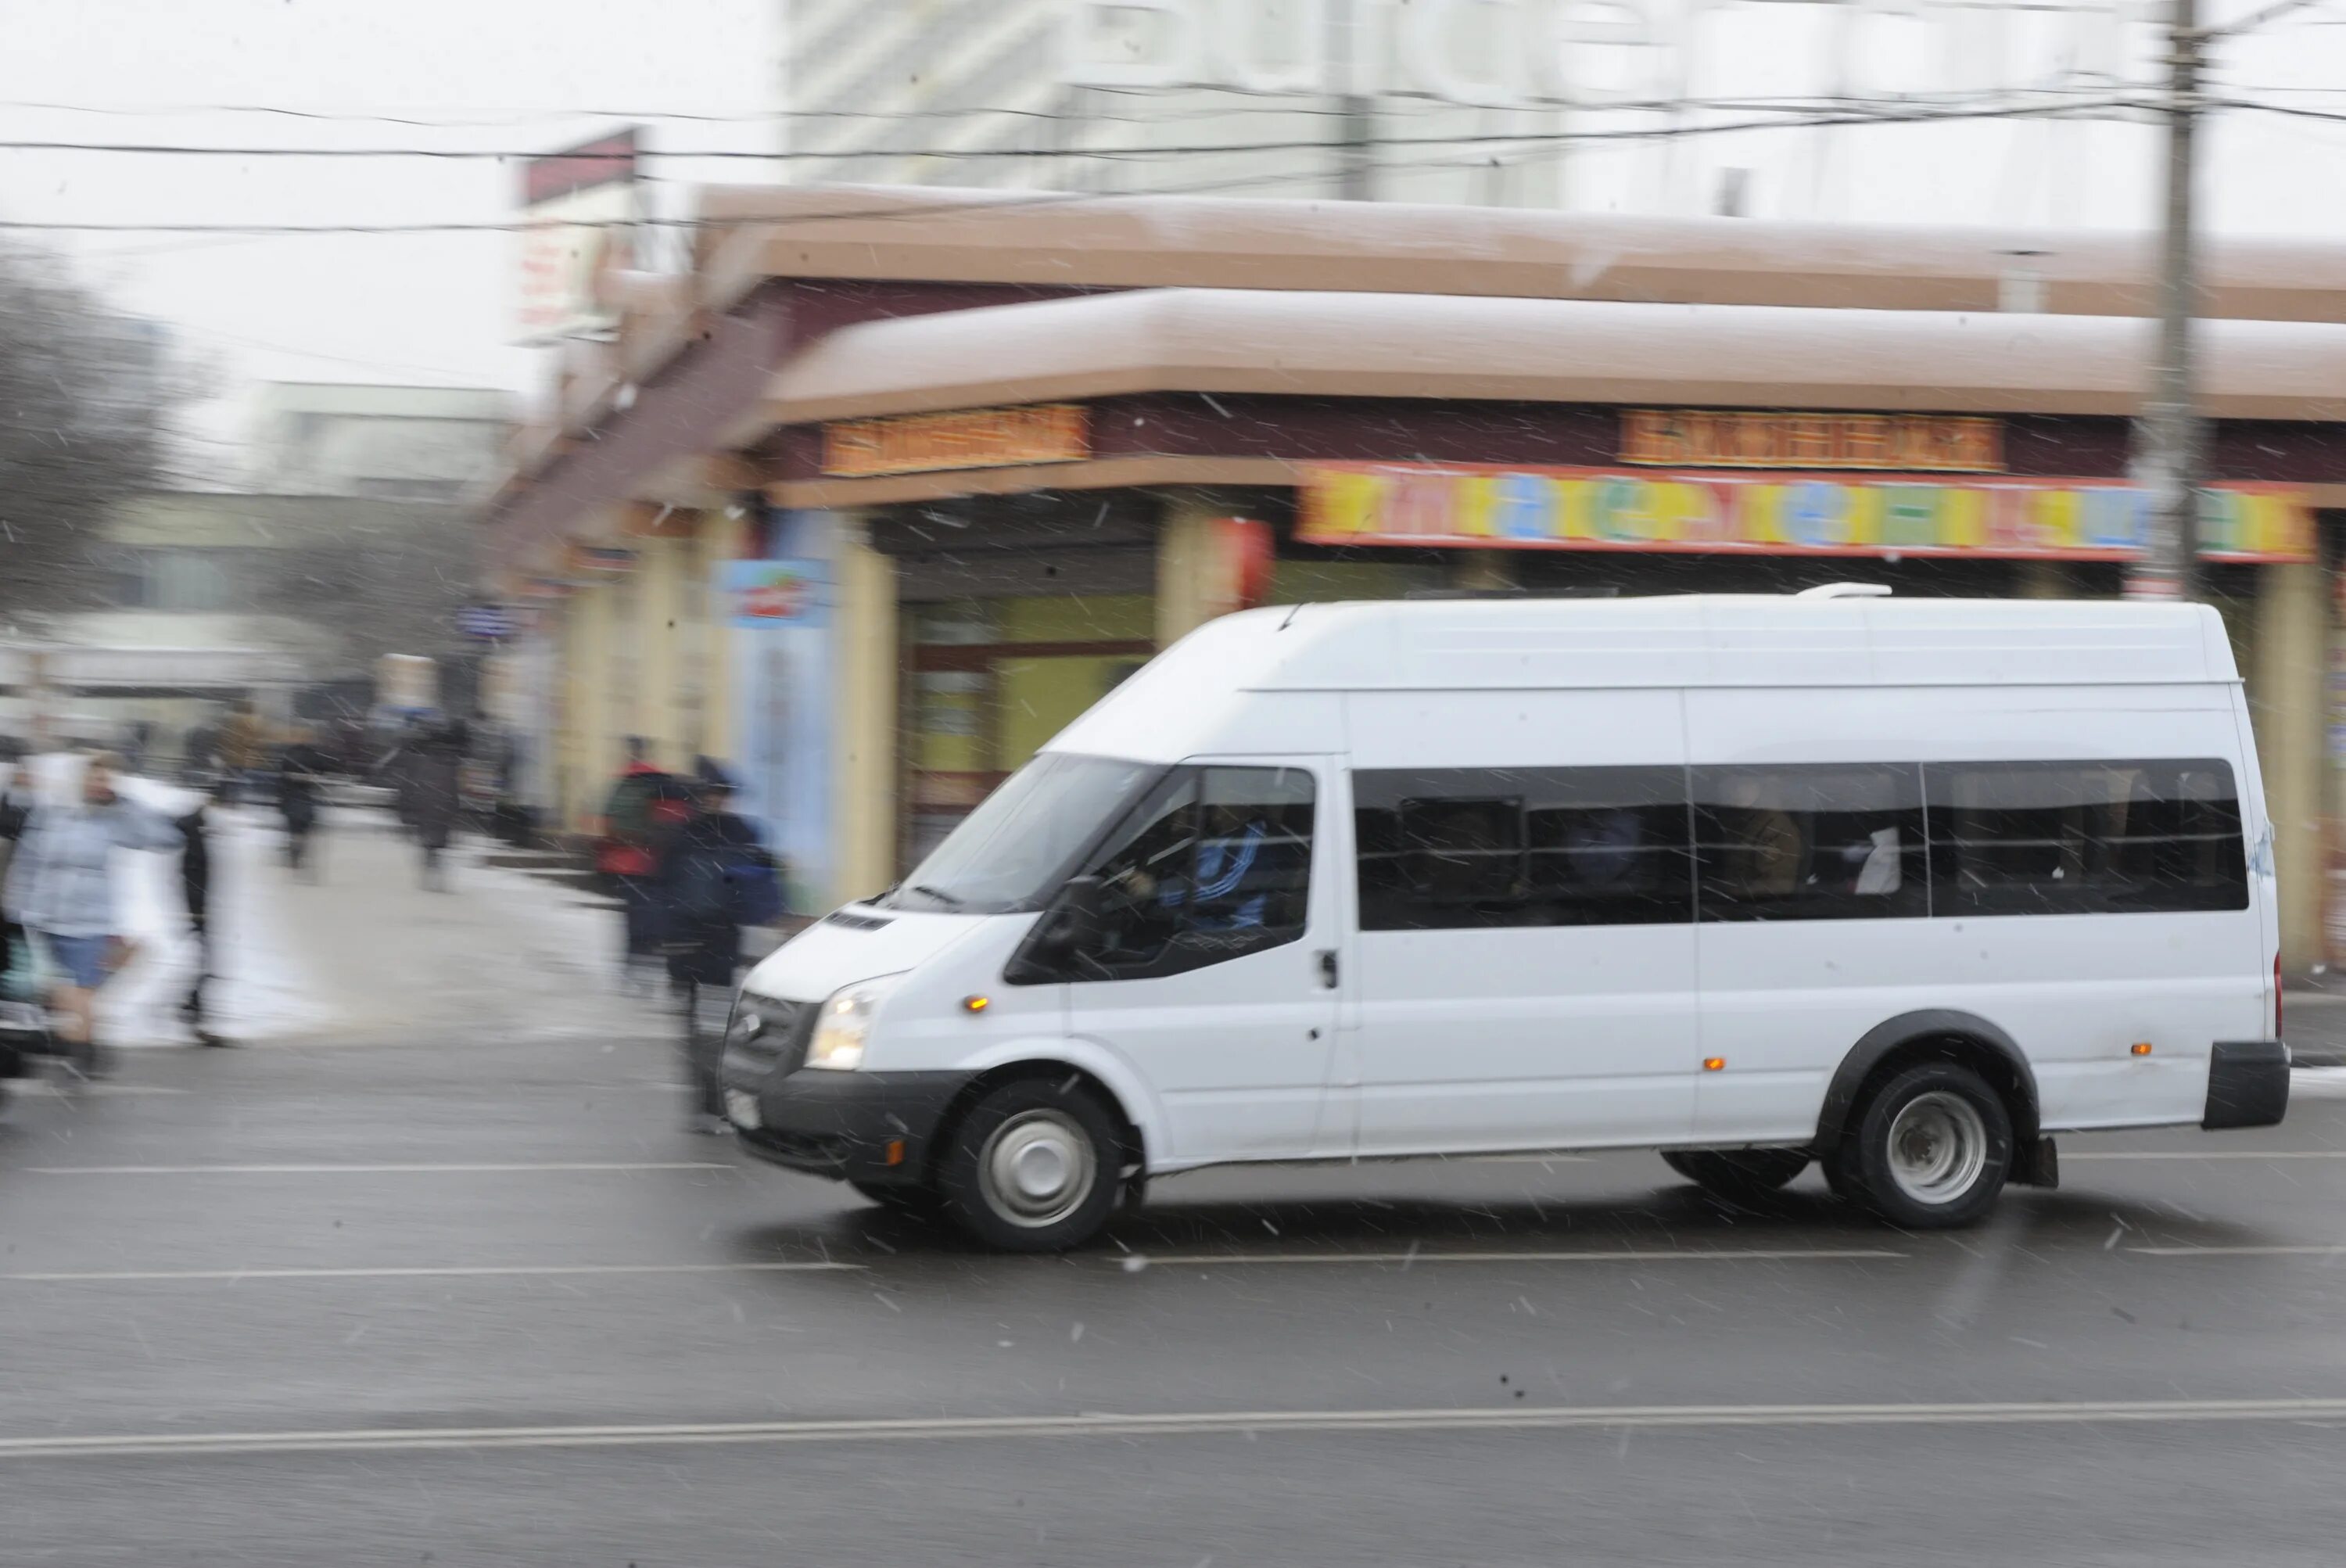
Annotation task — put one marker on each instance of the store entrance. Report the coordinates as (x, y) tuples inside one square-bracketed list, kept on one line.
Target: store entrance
[(988, 681)]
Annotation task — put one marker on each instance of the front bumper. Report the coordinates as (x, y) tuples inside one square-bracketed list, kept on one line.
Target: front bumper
[(2247, 1084), (848, 1124)]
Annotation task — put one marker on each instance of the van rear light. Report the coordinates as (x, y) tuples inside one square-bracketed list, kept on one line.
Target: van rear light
[(2277, 1034)]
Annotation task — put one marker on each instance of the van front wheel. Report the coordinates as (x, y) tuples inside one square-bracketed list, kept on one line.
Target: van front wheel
[(1931, 1149), (1033, 1167), (1737, 1176)]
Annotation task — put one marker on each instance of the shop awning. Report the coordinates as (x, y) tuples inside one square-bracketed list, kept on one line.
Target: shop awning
[(1543, 351)]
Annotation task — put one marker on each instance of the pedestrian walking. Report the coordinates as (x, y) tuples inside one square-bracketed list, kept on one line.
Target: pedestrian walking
[(196, 889), (243, 747), (302, 769), (16, 810), (434, 766), (645, 802), (60, 888), (713, 876)]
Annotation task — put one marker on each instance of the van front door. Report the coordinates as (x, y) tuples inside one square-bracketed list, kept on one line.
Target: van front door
[(1213, 965), (1526, 957)]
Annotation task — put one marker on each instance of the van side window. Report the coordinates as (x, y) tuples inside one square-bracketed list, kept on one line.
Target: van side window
[(1826, 842), (1452, 848), (1214, 865), (2097, 838)]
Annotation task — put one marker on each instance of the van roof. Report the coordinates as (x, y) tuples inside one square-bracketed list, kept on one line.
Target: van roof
[(1716, 639), (1185, 701)]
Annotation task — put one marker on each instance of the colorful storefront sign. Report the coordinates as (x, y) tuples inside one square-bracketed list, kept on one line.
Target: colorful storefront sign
[(1492, 507), (964, 438), (1716, 438), (773, 593)]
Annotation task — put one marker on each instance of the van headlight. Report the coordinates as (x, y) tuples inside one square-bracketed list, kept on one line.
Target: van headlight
[(845, 1024)]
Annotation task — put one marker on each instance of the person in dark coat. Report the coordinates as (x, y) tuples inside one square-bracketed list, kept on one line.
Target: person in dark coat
[(302, 769), (434, 764), (196, 888), (700, 932), (15, 811)]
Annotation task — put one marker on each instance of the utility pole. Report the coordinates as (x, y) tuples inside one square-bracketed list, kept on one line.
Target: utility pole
[(2167, 462), (1355, 113)]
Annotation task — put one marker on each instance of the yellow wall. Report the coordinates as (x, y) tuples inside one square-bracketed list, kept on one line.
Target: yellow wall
[(2288, 699), (864, 651), (1037, 698), (1076, 617)]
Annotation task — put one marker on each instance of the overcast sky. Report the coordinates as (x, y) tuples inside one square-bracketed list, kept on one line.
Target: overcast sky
[(404, 308)]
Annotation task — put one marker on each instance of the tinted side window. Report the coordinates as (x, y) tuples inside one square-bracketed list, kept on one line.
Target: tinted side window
[(1214, 863), (1450, 849), (1824, 843), (2101, 837)]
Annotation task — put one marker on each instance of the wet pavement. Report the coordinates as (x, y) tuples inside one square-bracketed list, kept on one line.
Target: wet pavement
[(459, 1289)]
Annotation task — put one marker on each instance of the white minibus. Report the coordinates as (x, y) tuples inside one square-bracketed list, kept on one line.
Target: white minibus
[(1899, 887)]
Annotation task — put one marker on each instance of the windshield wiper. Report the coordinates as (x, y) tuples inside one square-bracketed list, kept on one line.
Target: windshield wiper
[(951, 901)]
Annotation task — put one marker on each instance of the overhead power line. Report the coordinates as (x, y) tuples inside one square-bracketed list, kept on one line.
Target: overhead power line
[(1483, 145), (1250, 101), (1875, 112)]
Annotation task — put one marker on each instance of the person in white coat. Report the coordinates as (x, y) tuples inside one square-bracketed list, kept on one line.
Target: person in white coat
[(60, 889)]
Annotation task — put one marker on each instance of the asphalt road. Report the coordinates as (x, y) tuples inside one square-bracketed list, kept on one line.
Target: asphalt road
[(466, 1301)]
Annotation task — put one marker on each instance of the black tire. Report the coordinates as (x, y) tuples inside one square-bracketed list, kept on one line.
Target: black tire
[(1957, 1149), (1737, 1176), (1064, 1131), (915, 1202)]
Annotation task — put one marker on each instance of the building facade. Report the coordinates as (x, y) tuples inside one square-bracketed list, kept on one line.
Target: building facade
[(910, 491), (1842, 110), (392, 443)]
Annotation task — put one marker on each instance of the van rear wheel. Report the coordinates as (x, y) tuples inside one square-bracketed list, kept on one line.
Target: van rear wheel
[(1033, 1167), (1737, 1176), (1930, 1150)]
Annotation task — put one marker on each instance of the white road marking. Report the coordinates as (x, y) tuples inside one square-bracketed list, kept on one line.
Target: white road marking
[(2206, 1154), (53, 1089), (110, 1277), (2276, 1250), (1610, 1255), (412, 1168), (1177, 1423)]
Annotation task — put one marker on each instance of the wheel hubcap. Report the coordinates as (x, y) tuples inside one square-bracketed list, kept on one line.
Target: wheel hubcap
[(1938, 1146), (1037, 1168)]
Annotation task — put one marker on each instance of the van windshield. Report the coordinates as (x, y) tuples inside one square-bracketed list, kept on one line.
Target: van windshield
[(1012, 853)]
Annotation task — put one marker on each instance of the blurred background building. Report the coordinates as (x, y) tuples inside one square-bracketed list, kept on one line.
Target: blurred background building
[(393, 443), (1928, 111), (357, 537)]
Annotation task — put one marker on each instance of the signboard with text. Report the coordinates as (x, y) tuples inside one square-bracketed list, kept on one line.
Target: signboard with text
[(1494, 507), (773, 593), (579, 212), (962, 438), (1909, 442)]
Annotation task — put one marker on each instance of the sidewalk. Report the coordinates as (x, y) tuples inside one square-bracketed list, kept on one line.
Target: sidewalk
[(364, 953)]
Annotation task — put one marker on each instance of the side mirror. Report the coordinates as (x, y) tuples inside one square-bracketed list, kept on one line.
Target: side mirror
[(1070, 926)]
